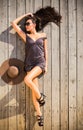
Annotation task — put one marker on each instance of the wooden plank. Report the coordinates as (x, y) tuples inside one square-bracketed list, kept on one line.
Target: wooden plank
[(28, 5), (13, 107), (72, 64), (80, 64), (20, 51), (29, 104), (64, 65), (37, 5), (3, 56), (3, 30), (27, 89), (55, 71), (12, 54), (47, 78)]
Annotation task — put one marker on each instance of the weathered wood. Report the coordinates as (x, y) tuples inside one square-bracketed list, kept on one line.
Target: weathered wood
[(4, 110), (80, 64), (62, 84), (31, 117), (20, 51), (55, 72), (12, 54), (64, 65), (72, 64), (28, 5), (37, 5), (32, 109), (47, 78)]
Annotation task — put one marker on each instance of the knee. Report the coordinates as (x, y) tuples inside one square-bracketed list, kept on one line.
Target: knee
[(27, 80)]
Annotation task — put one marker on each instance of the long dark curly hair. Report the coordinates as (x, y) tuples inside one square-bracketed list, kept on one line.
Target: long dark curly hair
[(43, 16)]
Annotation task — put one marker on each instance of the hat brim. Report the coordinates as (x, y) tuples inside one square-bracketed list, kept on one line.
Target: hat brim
[(4, 68)]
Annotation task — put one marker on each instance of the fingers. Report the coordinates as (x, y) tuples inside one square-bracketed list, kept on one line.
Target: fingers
[(29, 14)]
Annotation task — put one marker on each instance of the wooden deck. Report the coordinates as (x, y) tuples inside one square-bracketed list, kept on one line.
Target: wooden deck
[(63, 84)]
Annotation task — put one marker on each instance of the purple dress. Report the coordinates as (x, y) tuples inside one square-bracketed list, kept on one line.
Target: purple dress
[(34, 53)]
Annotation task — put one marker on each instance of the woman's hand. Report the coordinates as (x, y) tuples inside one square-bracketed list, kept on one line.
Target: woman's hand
[(29, 14)]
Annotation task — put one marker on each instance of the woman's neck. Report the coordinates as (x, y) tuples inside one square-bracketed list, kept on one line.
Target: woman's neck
[(33, 32)]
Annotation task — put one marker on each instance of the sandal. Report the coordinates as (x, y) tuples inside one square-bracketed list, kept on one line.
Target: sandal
[(41, 100), (40, 120)]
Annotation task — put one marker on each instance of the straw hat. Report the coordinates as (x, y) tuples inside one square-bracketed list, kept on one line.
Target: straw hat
[(12, 71)]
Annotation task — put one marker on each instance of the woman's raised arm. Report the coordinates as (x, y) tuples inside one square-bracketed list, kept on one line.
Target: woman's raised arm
[(17, 28)]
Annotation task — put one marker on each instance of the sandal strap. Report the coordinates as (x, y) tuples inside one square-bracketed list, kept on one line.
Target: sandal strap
[(39, 117), (41, 99), (40, 120)]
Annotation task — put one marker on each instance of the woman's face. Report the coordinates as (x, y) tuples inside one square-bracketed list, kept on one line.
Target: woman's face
[(29, 25)]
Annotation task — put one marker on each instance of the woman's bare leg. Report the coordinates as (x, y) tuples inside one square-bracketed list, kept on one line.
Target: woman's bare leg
[(35, 72), (35, 102)]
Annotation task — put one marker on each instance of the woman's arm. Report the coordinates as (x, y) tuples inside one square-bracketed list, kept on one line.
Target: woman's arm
[(17, 28), (46, 53)]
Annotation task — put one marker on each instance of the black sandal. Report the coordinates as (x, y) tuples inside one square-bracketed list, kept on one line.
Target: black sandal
[(40, 120), (41, 100)]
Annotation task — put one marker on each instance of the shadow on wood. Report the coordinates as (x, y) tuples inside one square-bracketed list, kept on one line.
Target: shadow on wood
[(15, 101)]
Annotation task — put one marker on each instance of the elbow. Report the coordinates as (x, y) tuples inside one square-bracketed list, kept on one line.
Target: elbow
[(14, 25)]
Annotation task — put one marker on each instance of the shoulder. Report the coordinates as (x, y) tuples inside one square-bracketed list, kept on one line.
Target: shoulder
[(43, 35)]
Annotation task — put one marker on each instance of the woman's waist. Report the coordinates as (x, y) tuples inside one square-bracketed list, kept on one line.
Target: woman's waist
[(34, 60)]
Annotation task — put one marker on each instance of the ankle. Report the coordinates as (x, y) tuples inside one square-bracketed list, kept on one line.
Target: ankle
[(39, 97), (40, 120), (41, 100), (39, 114)]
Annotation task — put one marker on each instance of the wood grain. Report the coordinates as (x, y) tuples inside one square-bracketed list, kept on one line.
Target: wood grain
[(63, 83)]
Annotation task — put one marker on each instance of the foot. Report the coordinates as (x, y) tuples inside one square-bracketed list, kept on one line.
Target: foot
[(41, 100), (40, 120)]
